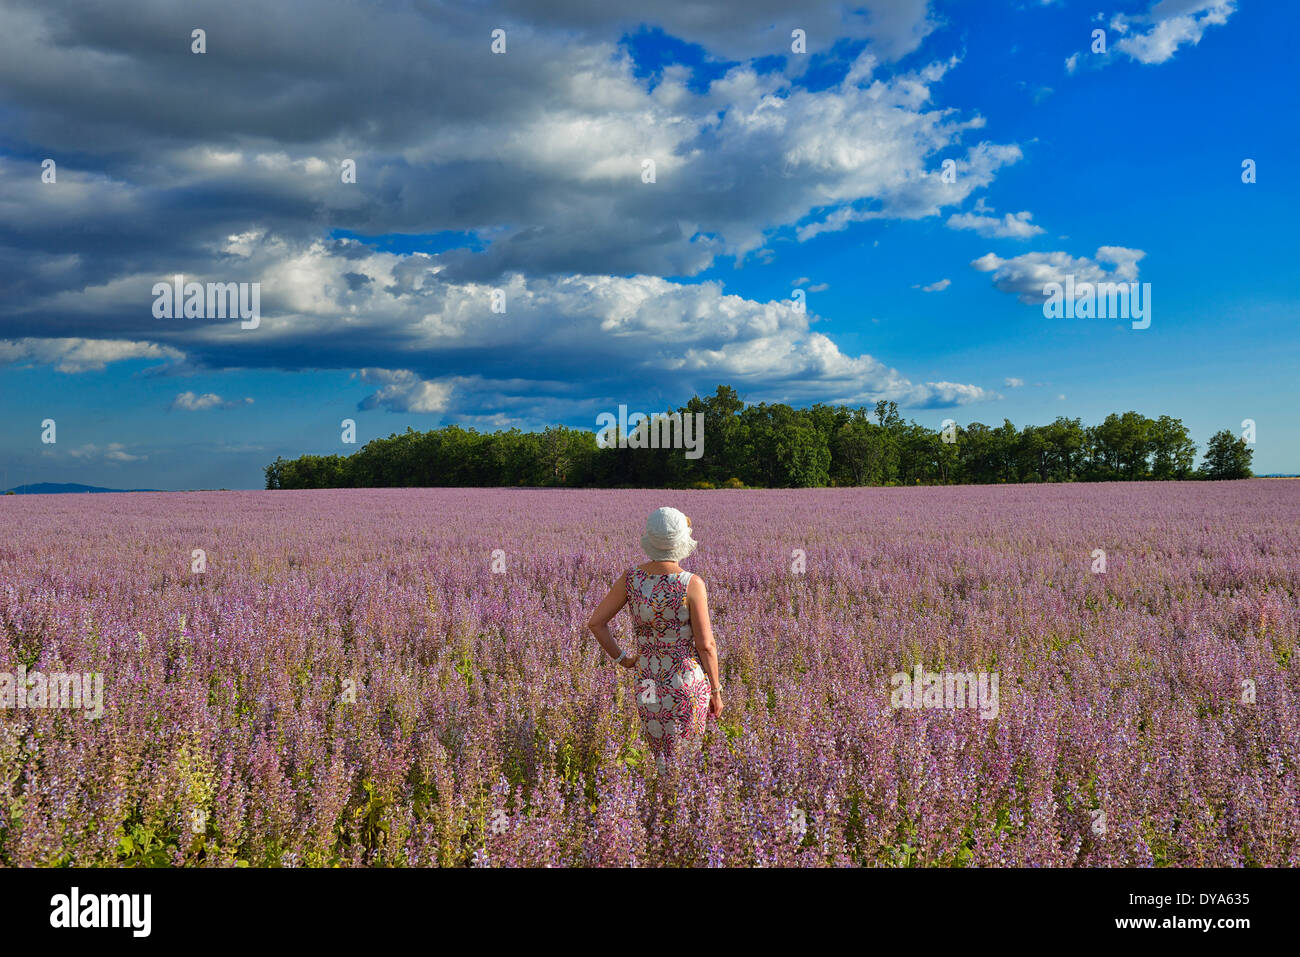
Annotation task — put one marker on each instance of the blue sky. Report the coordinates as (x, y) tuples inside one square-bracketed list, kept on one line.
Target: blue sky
[(522, 172)]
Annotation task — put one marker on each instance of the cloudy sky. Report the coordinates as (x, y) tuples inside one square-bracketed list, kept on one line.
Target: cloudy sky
[(621, 205)]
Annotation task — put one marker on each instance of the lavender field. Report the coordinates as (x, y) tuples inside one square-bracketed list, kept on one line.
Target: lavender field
[(348, 682)]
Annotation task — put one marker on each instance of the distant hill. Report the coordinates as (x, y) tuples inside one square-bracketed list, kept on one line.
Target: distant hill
[(63, 488)]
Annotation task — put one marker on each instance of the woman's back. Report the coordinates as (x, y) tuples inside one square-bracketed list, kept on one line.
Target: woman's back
[(657, 603), (672, 689)]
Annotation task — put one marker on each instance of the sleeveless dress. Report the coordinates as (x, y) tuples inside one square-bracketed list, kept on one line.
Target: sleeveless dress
[(672, 690)]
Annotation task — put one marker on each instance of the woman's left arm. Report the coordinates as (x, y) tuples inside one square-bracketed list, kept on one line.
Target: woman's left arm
[(697, 601), (600, 618)]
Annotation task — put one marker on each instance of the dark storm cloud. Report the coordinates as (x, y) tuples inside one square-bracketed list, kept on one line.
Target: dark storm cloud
[(226, 166)]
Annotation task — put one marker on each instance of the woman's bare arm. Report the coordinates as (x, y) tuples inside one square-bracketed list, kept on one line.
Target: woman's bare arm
[(697, 600), (600, 618)]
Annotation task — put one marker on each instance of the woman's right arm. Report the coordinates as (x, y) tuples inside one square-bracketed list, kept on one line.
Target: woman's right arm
[(598, 624)]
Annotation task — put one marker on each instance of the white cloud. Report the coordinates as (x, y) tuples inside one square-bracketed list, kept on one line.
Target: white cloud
[(1011, 382), (939, 286), (1026, 275), (1010, 226), (191, 402), (1172, 24), (404, 391), (113, 452), (910, 193), (81, 355), (421, 336), (535, 154), (429, 333)]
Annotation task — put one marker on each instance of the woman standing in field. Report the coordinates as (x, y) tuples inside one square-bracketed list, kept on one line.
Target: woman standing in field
[(670, 622)]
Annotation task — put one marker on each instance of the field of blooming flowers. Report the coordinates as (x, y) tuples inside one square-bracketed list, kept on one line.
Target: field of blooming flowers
[(350, 683)]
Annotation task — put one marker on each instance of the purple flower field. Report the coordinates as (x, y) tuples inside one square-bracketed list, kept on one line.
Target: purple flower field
[(350, 683)]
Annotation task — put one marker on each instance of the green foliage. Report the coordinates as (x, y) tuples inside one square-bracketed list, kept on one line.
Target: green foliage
[(777, 446), (140, 845), (1227, 457)]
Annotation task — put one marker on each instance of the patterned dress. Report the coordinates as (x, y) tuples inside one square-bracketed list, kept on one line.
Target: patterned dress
[(672, 689)]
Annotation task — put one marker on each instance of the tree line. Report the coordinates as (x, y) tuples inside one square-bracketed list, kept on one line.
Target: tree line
[(776, 446)]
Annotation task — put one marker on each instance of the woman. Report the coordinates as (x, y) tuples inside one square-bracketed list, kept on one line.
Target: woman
[(670, 621)]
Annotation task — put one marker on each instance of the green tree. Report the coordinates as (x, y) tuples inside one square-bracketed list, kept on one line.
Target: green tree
[(1227, 457), (887, 414), (776, 446), (1173, 451), (1066, 449), (803, 457), (274, 473), (860, 451), (977, 453)]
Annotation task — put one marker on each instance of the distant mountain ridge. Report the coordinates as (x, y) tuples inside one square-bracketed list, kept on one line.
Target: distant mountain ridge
[(64, 488)]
